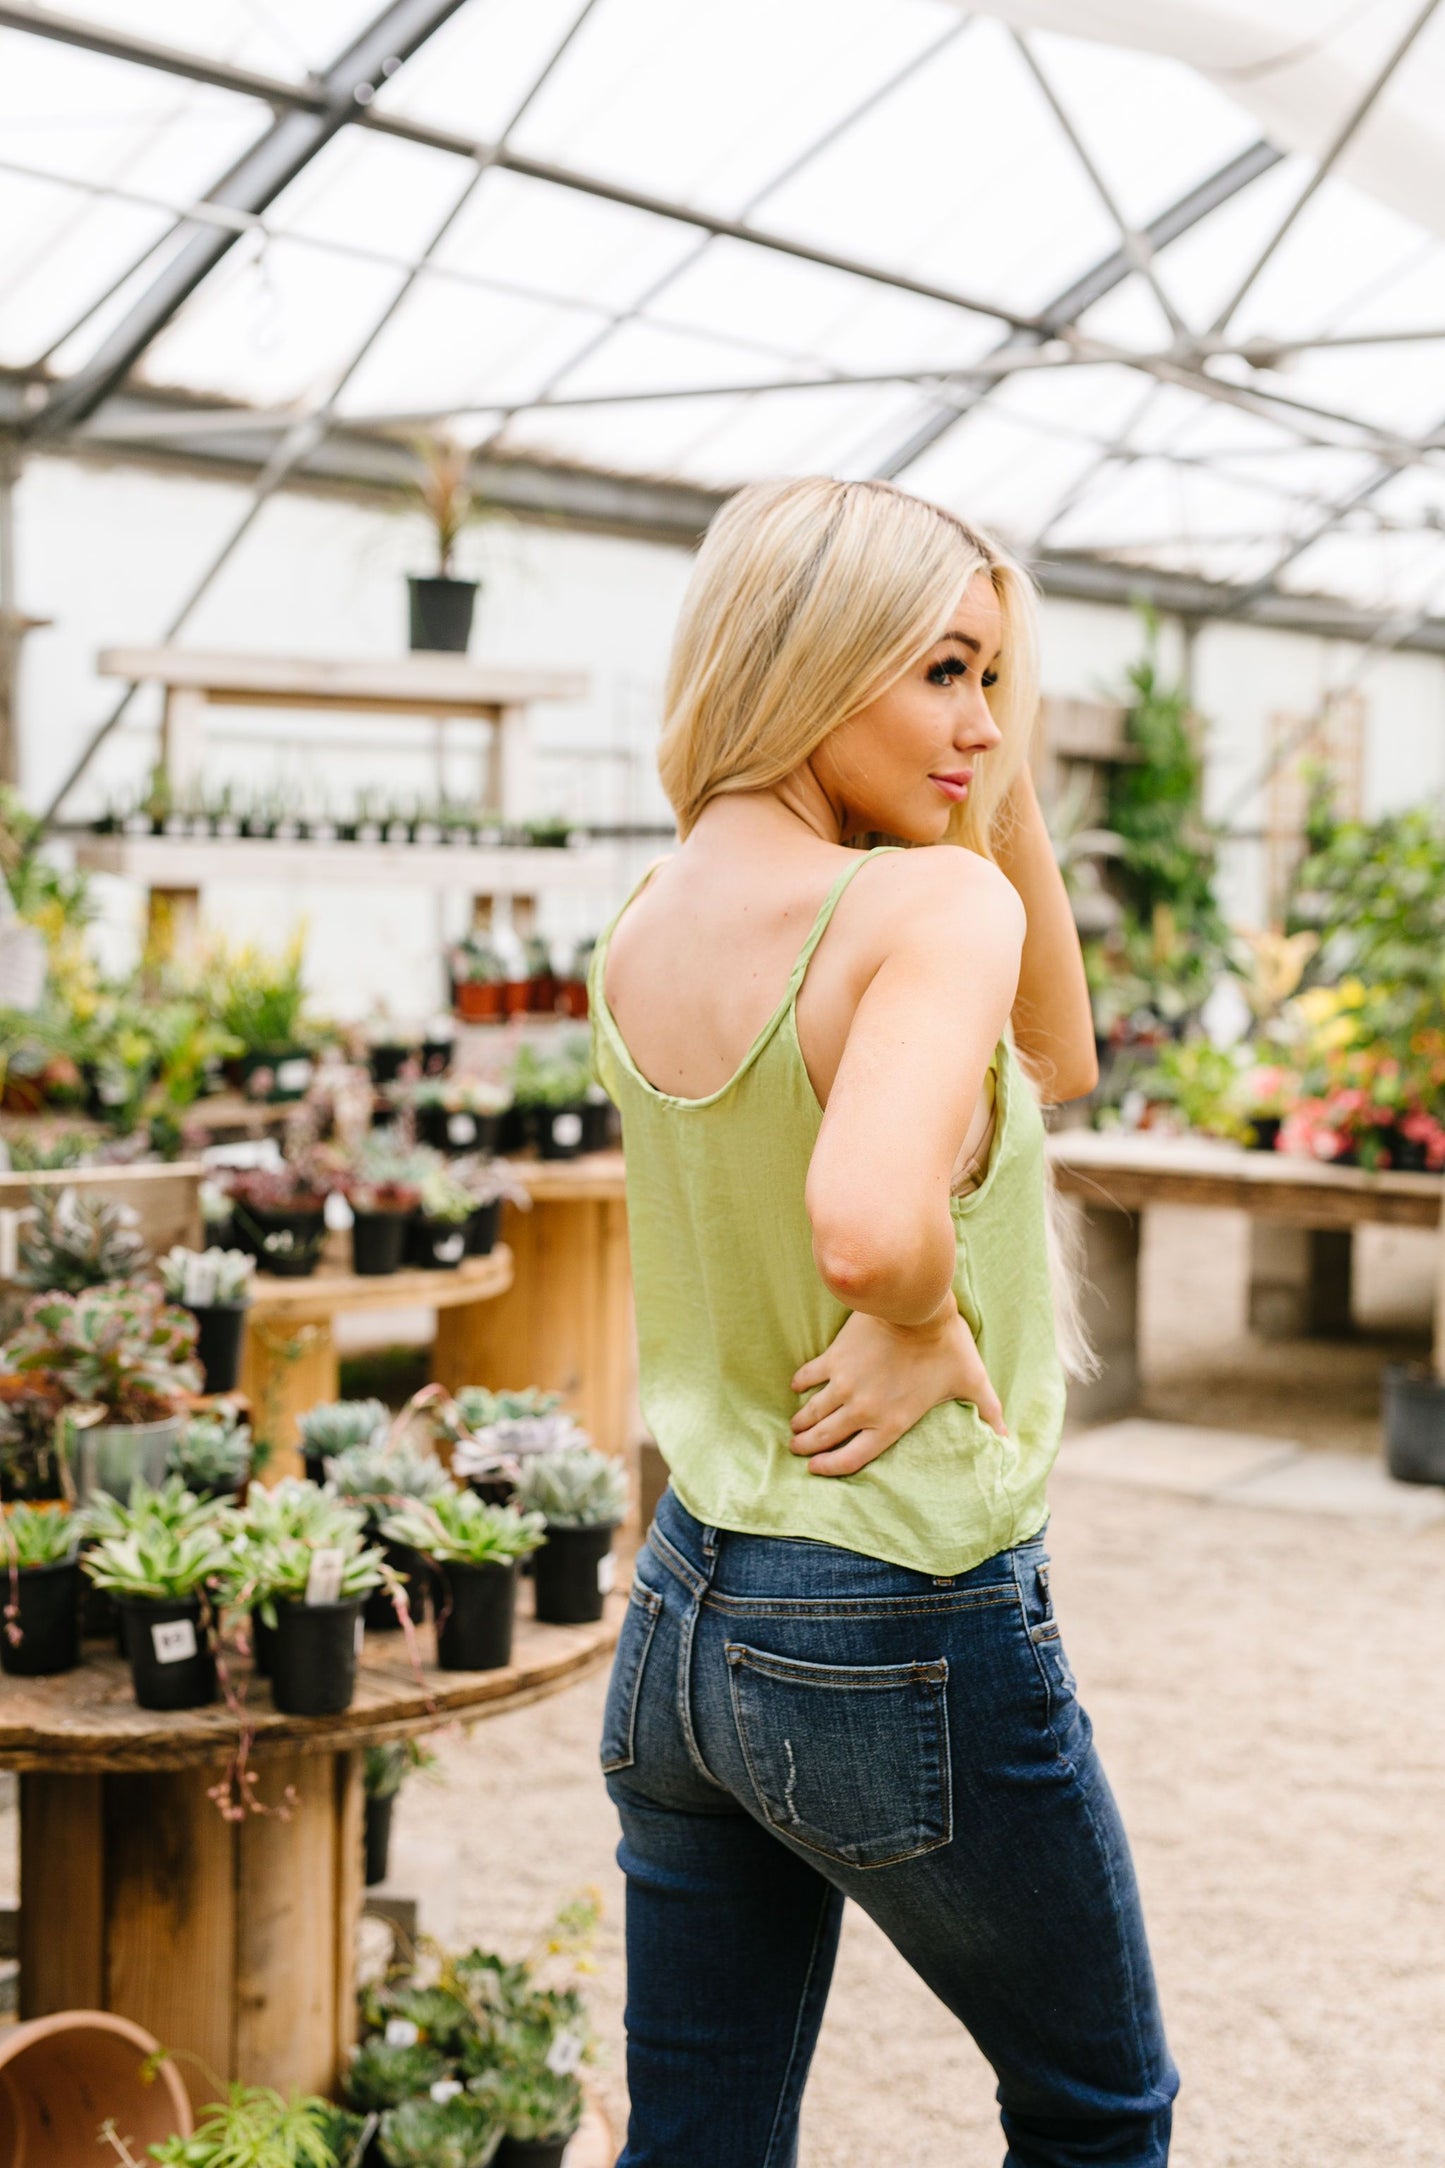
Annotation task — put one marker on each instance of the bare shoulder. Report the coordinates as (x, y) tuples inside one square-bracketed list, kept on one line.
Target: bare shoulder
[(939, 895)]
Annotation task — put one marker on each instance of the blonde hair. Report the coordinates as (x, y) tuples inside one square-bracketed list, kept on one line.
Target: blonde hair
[(808, 599)]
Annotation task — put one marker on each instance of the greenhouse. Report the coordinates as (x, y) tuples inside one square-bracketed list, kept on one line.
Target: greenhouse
[(605, 1430)]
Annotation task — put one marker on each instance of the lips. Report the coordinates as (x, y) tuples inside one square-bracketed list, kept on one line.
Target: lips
[(954, 786)]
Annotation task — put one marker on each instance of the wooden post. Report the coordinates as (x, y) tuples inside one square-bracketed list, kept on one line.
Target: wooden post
[(288, 1364), (1300, 1281)]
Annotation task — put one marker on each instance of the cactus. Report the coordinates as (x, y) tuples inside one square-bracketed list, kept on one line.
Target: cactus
[(77, 1241)]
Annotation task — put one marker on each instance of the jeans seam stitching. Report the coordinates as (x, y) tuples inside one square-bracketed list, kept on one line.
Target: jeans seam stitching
[(1039, 1668), (824, 1905), (680, 1568), (861, 1607), (654, 1612), (684, 1697)]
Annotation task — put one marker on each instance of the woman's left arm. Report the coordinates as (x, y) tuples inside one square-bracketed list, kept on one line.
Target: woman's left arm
[(1053, 1022)]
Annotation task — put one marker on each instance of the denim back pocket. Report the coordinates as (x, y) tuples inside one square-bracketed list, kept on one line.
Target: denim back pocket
[(1036, 1595), (849, 1760), (624, 1691)]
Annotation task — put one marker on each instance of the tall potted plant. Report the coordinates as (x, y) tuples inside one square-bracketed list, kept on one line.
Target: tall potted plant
[(473, 1550), (123, 1360), (441, 604)]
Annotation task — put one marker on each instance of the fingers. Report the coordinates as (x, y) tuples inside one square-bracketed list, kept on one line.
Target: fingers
[(988, 1404), (832, 1430), (813, 1373), (825, 1401), (868, 1445)]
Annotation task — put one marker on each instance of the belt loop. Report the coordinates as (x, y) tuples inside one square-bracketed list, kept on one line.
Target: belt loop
[(709, 1547)]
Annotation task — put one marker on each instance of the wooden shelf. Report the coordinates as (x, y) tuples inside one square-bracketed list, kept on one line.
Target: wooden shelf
[(194, 862), (402, 684), (1130, 1172), (332, 1288)]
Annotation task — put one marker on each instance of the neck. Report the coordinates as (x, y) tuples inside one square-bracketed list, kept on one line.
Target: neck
[(798, 804)]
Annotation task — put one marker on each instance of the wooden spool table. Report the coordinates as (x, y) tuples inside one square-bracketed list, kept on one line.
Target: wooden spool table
[(1303, 1215), (565, 1322), (231, 1940), (290, 1361)]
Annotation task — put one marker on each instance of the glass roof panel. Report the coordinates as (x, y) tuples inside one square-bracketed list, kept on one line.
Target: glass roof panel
[(57, 248), (558, 241), (450, 346), (286, 38)]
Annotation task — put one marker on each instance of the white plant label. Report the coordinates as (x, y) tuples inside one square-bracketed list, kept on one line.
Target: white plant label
[(360, 1632), (401, 2033), (174, 1641), (323, 1582), (606, 1573), (446, 2089), (566, 1130), (450, 1249), (295, 1075), (461, 1129), (564, 2054)]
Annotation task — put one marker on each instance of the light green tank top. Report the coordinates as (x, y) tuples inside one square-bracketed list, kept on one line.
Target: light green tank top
[(729, 1304)]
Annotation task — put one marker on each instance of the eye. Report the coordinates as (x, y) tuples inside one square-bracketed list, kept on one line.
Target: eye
[(943, 673)]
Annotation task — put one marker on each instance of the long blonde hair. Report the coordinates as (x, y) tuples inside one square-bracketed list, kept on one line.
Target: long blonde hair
[(808, 599)]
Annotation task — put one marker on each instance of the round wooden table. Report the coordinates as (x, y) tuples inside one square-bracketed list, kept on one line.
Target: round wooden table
[(233, 1941)]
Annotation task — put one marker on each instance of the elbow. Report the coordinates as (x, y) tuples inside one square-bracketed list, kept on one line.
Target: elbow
[(869, 1271), (1074, 1078), (850, 1276)]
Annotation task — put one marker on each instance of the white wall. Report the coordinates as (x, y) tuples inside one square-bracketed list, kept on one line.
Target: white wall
[(108, 553)]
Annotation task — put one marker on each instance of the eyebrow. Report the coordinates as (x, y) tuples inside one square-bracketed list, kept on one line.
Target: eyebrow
[(966, 639)]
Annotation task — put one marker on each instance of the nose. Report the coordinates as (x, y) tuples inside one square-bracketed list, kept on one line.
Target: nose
[(982, 732)]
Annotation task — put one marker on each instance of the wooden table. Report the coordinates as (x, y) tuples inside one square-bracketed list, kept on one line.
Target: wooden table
[(233, 1941), (290, 1361), (165, 1195), (1303, 1214), (566, 1321)]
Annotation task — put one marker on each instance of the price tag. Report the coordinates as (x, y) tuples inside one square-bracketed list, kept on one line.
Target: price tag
[(174, 1641), (450, 1249), (567, 1130), (461, 1129), (446, 2089), (401, 2033), (323, 1582), (295, 1075), (606, 1573), (564, 2054)]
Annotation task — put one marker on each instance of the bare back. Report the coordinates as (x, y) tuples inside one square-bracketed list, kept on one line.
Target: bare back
[(701, 958)]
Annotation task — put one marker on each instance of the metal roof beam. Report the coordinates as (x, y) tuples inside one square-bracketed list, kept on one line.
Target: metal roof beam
[(254, 181)]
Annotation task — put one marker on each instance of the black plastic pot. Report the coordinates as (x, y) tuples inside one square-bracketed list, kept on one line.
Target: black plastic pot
[(313, 1657), (178, 1676), (560, 1130), (1264, 1132), (220, 1338), (596, 1125), (289, 1261), (571, 1576), (290, 1070), (386, 1062), (493, 1490), (377, 1241), (515, 1128), (1408, 1156), (263, 1641), (475, 1609), (378, 1838), (482, 1228), (49, 1620), (315, 1467), (380, 1612), (434, 1244), (1414, 1424), (98, 1614), (531, 2152), (441, 614)]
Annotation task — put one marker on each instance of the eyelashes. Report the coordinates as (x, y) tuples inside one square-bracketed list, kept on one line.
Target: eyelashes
[(954, 666)]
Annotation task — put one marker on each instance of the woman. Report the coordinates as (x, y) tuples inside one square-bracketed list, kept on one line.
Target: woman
[(840, 1674)]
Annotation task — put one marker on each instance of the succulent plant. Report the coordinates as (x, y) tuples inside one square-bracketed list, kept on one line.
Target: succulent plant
[(336, 1425), (277, 1569), (382, 2075), (478, 1406), (156, 1564), (213, 1452), (380, 1476), (39, 1535), (203, 1279), (458, 1529), (78, 1240), (255, 2128), (293, 1508), (120, 1348), (530, 2101), (443, 1197), (455, 2133), (509, 1444), (574, 1489), (173, 1506)]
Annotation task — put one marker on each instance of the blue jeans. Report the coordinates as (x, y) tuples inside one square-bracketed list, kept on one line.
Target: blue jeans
[(789, 1724)]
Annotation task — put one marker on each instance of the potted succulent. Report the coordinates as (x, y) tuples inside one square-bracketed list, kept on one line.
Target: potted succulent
[(260, 1000), (381, 1478), (215, 1286), (75, 1239), (581, 1496), (310, 1598), (38, 1556), (553, 1090), (539, 2109), (335, 1426), (385, 1768), (32, 1454), (453, 2132), (495, 1445), (290, 1511), (161, 1577), (572, 986), (441, 604), (473, 1550), (121, 1351), (460, 1114), (383, 2073), (280, 1213), (383, 1189), (437, 1235), (213, 1454), (478, 974), (1270, 1095), (490, 1183)]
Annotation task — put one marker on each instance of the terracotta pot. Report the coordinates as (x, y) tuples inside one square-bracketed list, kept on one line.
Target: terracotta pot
[(61, 2076)]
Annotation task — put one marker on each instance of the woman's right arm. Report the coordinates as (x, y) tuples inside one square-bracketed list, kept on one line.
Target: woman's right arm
[(949, 935)]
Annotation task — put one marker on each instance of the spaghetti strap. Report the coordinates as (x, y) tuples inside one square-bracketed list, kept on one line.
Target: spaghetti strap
[(825, 912)]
